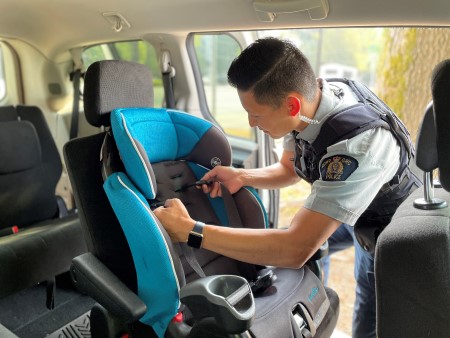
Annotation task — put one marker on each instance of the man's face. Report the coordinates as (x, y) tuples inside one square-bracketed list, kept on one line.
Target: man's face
[(276, 122)]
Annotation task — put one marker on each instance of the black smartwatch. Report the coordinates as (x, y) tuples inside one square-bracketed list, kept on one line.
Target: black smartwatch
[(196, 236)]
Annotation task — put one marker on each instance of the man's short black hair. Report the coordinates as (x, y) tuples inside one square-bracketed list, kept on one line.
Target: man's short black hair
[(271, 68)]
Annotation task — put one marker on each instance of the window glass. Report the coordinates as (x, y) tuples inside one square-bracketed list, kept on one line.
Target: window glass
[(214, 56), (136, 51), (338, 52), (2, 75), (395, 62)]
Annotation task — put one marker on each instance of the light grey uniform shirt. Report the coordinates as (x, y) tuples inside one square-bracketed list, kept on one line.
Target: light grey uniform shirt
[(376, 151)]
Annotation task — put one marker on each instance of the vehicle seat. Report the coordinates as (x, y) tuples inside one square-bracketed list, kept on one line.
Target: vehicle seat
[(47, 236), (412, 258), (162, 152)]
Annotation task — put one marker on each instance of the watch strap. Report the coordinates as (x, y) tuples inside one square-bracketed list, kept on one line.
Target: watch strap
[(198, 227)]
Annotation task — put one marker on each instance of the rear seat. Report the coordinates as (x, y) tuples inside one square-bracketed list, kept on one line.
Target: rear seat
[(49, 235)]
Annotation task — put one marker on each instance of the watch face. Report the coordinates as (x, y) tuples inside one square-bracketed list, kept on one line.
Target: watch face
[(195, 240)]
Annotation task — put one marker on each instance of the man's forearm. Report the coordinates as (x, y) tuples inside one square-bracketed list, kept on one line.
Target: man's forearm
[(289, 248), (275, 176), (257, 246), (272, 177)]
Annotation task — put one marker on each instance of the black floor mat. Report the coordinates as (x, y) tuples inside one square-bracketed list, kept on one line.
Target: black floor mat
[(25, 313)]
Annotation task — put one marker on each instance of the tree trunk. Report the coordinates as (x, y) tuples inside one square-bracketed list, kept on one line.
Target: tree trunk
[(404, 75)]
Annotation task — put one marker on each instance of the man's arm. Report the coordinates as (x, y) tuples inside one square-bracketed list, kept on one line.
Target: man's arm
[(277, 175), (289, 248)]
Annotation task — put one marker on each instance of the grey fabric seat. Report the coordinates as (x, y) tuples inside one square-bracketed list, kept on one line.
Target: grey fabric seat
[(48, 236), (412, 258)]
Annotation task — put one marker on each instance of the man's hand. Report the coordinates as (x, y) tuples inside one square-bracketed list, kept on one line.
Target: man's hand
[(231, 177), (175, 219)]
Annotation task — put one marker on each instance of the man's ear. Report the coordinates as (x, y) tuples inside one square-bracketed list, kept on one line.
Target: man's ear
[(294, 105)]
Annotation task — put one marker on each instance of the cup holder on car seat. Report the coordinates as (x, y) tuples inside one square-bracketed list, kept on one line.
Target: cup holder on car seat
[(226, 298)]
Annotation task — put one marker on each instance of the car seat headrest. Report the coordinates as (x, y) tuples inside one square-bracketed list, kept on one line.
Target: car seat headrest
[(151, 135), (8, 113), (440, 90), (426, 149), (112, 84), (28, 147)]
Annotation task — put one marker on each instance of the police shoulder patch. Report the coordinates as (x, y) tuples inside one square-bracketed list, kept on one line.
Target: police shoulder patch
[(337, 167)]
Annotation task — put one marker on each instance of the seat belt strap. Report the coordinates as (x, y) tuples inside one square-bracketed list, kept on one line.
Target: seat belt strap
[(168, 73), (75, 77), (51, 289), (76, 103), (234, 220), (247, 270), (189, 254), (168, 90)]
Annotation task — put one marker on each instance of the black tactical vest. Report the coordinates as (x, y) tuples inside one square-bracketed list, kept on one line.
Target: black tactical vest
[(369, 113)]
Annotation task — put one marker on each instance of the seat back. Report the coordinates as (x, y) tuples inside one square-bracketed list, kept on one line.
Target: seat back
[(412, 259), (31, 168), (48, 237), (108, 85)]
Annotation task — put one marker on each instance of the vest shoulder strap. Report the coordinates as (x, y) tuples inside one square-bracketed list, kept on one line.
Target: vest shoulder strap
[(367, 97), (346, 124)]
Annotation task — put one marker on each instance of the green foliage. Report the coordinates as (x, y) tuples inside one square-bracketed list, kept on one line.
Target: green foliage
[(134, 51), (91, 55), (354, 47), (214, 55), (395, 60)]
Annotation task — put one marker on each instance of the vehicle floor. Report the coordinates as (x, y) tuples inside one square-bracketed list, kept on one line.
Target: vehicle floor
[(26, 315)]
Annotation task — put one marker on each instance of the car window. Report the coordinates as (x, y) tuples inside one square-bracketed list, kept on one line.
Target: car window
[(136, 51), (395, 62), (214, 53), (338, 52)]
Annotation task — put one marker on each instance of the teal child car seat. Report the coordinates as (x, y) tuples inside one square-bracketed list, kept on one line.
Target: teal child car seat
[(169, 149)]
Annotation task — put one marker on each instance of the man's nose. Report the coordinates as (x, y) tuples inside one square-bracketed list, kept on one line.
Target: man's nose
[(252, 122)]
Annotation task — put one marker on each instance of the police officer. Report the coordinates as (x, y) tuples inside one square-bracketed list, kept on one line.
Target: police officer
[(278, 89)]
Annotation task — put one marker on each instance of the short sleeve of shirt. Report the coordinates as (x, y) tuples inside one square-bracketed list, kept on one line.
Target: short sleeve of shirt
[(374, 156)]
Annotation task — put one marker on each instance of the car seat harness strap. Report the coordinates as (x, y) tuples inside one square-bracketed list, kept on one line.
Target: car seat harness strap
[(189, 254)]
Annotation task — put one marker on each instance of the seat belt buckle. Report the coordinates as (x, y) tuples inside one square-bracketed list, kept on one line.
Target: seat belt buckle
[(9, 231), (195, 184), (262, 282)]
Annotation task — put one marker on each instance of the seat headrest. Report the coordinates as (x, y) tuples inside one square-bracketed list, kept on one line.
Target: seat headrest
[(112, 84), (152, 135), (440, 91), (426, 148), (20, 148), (8, 113)]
